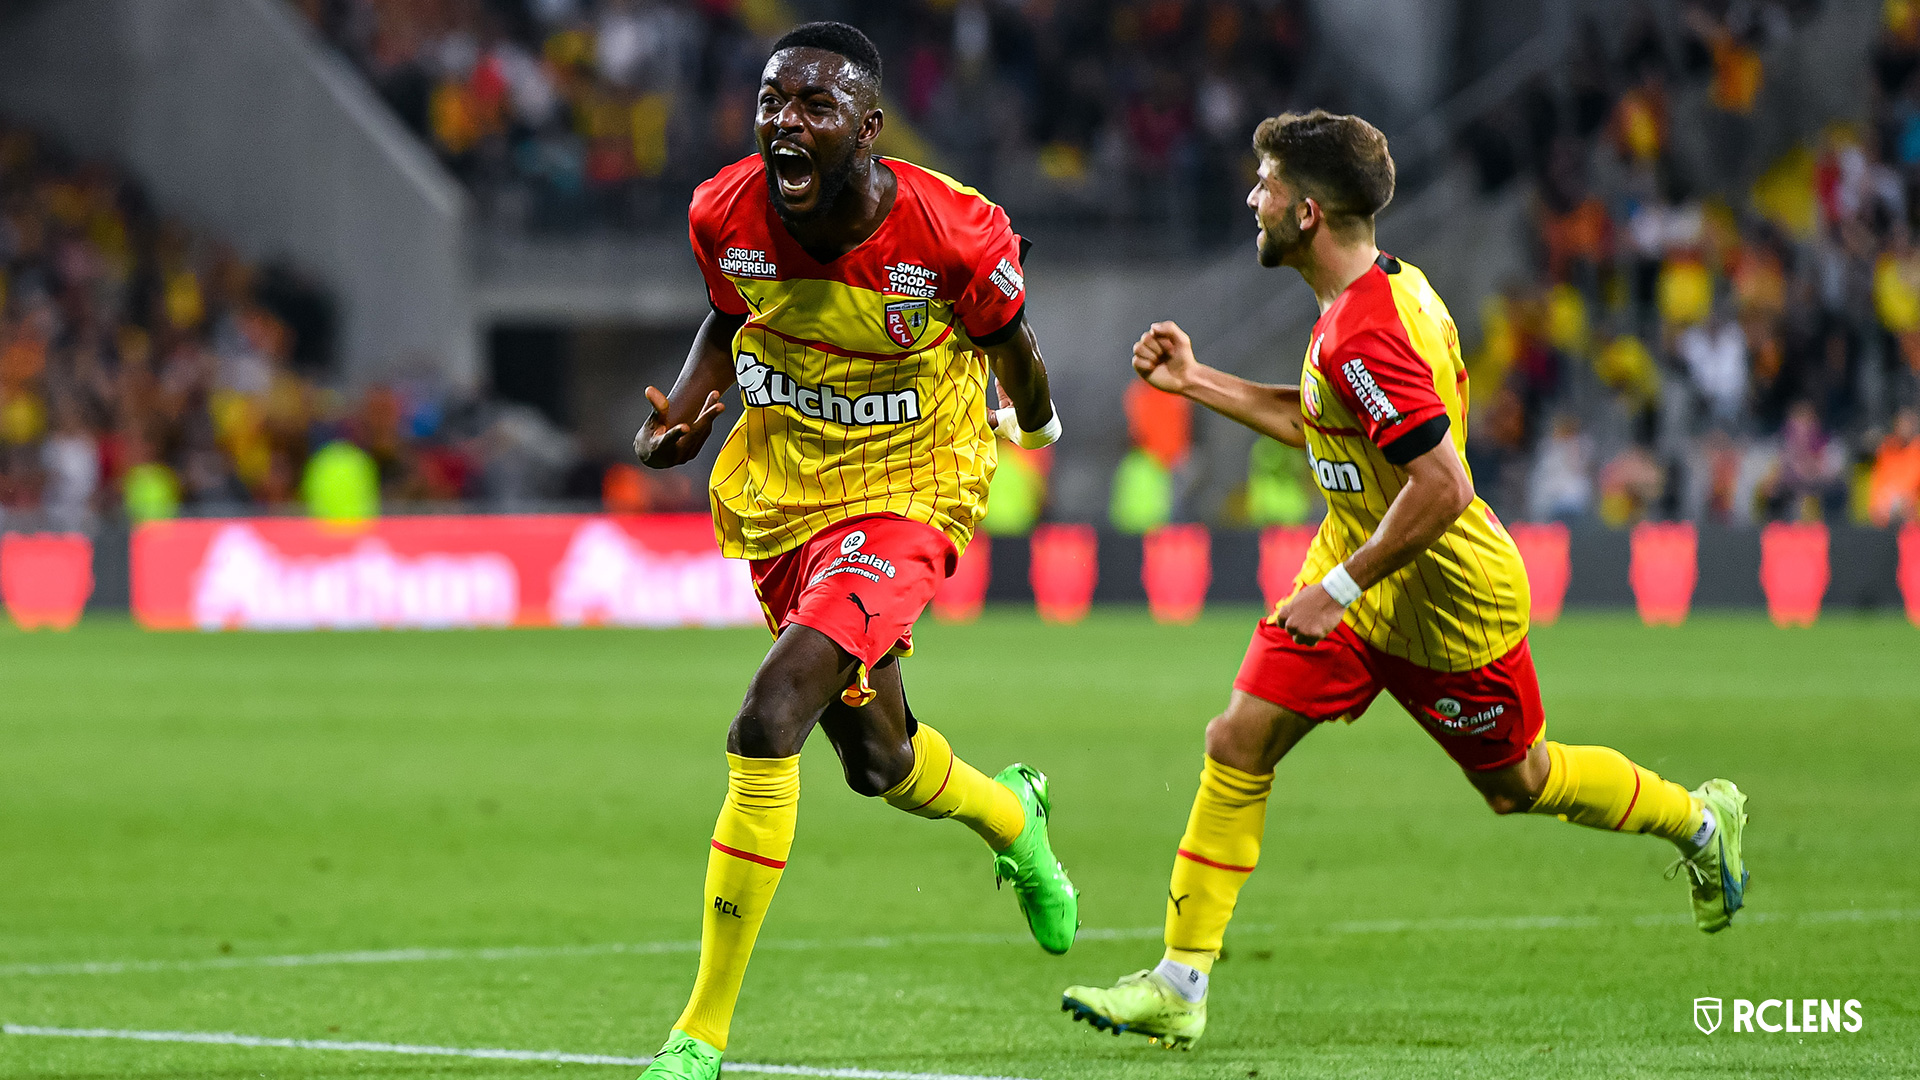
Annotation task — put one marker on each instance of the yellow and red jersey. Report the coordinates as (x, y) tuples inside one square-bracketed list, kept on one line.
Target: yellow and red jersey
[(862, 380), (1384, 383)]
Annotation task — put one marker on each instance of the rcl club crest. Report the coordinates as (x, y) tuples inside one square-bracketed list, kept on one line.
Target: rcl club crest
[(906, 321)]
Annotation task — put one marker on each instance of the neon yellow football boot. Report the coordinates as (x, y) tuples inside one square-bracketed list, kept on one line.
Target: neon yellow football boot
[(1047, 897), (1717, 871), (1144, 1003), (684, 1058)]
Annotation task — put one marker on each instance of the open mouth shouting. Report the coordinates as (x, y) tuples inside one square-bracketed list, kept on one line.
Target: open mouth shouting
[(794, 175)]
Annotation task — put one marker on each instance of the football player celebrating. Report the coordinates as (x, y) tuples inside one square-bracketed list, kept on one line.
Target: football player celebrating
[(1411, 586), (858, 302)]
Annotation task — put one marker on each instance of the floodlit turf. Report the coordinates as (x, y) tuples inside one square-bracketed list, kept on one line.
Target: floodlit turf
[(220, 798)]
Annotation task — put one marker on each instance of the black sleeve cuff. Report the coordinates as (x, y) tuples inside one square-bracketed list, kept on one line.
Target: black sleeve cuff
[(1417, 441), (1005, 333)]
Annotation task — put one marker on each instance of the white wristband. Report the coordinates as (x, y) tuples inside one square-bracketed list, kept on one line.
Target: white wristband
[(1008, 423), (1341, 586)]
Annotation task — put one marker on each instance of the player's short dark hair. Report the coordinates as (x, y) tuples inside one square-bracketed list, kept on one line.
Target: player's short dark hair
[(835, 37), (1341, 161)]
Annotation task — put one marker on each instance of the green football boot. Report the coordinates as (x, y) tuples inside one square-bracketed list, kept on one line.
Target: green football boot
[(1047, 898), (684, 1058), (1144, 1003), (1717, 871)]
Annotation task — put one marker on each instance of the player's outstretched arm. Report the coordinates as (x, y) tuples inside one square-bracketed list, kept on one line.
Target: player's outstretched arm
[(1164, 358), (682, 420), (1022, 378), (1437, 492)]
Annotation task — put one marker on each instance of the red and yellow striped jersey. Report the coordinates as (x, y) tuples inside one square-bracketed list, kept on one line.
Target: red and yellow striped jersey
[(1384, 383), (862, 381)]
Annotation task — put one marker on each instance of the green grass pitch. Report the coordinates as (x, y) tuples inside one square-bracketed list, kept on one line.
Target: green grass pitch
[(194, 799)]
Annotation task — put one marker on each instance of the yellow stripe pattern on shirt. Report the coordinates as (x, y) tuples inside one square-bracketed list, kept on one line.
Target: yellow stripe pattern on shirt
[(841, 421), (1463, 602)]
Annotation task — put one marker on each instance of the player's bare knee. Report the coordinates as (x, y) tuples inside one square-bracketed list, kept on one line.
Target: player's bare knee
[(770, 724), (1509, 793), (1504, 803), (873, 779), (874, 764), (756, 735), (1222, 735), (1254, 735)]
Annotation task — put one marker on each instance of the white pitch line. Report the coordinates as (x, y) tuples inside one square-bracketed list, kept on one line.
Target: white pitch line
[(1135, 933), (536, 952), (223, 1038), (1590, 922)]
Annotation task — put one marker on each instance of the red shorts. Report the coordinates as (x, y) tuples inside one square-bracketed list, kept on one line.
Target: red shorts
[(1484, 719), (862, 582)]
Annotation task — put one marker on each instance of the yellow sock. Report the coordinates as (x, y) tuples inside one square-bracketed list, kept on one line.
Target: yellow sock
[(943, 786), (750, 846), (1598, 787), (1217, 852)]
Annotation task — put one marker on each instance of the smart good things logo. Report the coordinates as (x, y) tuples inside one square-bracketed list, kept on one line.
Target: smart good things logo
[(1804, 1016)]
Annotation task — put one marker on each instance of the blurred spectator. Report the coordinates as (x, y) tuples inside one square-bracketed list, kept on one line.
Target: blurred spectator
[(1019, 491), (70, 457), (1159, 423), (1894, 486), (1716, 358), (1562, 486), (1147, 484), (1143, 493), (341, 484), (1626, 367), (1811, 464), (1278, 490), (1632, 486), (524, 457)]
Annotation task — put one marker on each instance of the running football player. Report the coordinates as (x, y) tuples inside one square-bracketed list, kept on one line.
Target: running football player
[(858, 303), (1411, 586)]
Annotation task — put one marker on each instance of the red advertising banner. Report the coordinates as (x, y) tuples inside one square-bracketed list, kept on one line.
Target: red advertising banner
[(1064, 570), (428, 572), (1283, 550), (46, 578), (1909, 570), (1794, 571), (1664, 570), (1546, 550), (1176, 568), (963, 594)]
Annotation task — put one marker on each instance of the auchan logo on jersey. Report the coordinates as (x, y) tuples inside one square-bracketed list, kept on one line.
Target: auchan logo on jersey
[(1342, 476), (762, 387)]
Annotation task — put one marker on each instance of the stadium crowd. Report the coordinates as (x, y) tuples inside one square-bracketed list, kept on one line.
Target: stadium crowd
[(1702, 354), (567, 114), (1684, 351), (148, 369)]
